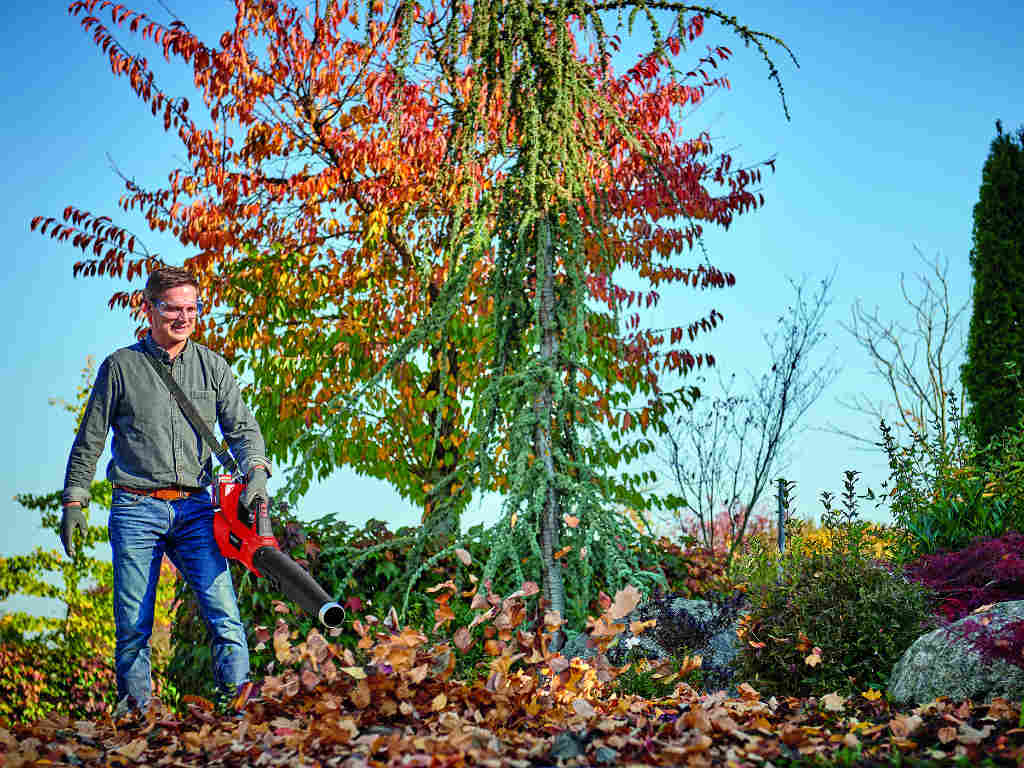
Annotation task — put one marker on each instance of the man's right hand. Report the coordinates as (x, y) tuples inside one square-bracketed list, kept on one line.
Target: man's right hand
[(71, 519)]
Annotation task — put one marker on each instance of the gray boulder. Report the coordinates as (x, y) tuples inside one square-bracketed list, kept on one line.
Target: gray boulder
[(704, 628), (945, 662)]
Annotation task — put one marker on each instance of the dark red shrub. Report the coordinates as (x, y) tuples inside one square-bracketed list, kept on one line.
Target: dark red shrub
[(987, 571), (1006, 644)]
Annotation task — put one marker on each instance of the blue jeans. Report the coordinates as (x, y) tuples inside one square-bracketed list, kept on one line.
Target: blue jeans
[(142, 530)]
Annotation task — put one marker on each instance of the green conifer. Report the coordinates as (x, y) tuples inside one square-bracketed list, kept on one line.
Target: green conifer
[(995, 347)]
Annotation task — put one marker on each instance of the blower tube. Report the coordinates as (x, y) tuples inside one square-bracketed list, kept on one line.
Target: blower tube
[(298, 586)]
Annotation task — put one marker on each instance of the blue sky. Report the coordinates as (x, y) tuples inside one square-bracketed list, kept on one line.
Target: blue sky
[(893, 109)]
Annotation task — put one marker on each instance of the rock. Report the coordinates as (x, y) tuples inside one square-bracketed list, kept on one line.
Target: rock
[(706, 628), (945, 662), (567, 745)]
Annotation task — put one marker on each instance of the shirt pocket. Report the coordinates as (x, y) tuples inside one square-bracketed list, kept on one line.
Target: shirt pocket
[(205, 401)]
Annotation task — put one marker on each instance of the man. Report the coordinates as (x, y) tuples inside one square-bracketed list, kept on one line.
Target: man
[(160, 471)]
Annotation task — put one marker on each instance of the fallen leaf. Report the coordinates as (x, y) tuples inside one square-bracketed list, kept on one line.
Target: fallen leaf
[(792, 735), (903, 726), (444, 585), (583, 707), (282, 647), (969, 735), (833, 702), (871, 694), (747, 692), (462, 639), (626, 599), (639, 627), (360, 695), (133, 749)]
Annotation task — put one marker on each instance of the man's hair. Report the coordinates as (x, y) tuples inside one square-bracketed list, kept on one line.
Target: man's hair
[(164, 279)]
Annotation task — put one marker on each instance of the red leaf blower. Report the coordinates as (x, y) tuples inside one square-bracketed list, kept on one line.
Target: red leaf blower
[(251, 542)]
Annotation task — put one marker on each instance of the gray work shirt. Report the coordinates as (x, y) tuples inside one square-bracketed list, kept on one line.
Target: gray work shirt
[(154, 446)]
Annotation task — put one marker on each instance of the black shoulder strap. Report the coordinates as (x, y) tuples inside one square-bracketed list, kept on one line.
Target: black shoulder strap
[(219, 448)]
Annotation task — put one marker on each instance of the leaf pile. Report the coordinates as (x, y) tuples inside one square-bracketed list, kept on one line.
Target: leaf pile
[(532, 708)]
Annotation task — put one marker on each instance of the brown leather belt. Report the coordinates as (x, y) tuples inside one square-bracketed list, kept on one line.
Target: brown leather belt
[(164, 494)]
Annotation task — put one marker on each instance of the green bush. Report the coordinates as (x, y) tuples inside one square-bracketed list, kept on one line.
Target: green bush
[(940, 497), (828, 620), (37, 678)]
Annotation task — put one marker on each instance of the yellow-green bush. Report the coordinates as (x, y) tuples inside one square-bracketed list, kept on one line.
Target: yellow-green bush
[(827, 614), (65, 664)]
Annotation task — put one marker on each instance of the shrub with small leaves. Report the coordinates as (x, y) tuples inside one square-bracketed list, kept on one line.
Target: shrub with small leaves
[(832, 619)]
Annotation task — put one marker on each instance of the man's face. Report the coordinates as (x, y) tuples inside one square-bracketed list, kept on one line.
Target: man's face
[(173, 317)]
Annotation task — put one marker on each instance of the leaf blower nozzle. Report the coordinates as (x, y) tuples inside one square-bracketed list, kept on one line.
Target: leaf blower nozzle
[(331, 615), (296, 583)]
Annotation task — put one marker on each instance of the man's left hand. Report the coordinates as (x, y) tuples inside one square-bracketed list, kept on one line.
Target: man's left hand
[(255, 491)]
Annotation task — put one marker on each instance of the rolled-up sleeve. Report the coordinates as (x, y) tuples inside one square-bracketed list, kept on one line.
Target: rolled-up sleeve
[(239, 426), (91, 435)]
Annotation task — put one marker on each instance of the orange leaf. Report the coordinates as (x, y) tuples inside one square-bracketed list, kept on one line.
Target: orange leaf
[(360, 695)]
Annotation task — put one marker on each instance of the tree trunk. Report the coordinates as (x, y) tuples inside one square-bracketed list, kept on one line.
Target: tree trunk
[(553, 585), (439, 513)]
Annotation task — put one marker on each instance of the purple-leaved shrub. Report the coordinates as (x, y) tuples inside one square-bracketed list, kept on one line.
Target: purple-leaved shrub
[(989, 570), (1006, 644)]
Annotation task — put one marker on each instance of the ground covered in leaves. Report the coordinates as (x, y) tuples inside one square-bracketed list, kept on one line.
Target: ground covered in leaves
[(402, 707)]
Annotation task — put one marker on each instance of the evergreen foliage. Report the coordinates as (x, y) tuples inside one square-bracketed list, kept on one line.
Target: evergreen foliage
[(995, 345)]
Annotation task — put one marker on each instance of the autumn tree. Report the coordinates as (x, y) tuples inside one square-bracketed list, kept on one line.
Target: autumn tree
[(425, 197), (697, 450), (996, 336)]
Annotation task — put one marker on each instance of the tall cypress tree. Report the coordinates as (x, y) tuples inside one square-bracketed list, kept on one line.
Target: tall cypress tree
[(995, 345)]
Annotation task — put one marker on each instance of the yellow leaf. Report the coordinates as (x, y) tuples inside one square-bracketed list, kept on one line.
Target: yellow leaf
[(871, 694), (357, 672)]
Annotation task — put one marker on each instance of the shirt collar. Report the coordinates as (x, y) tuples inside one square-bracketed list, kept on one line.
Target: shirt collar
[(159, 352)]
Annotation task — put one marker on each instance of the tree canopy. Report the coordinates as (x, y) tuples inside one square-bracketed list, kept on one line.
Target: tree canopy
[(413, 219)]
